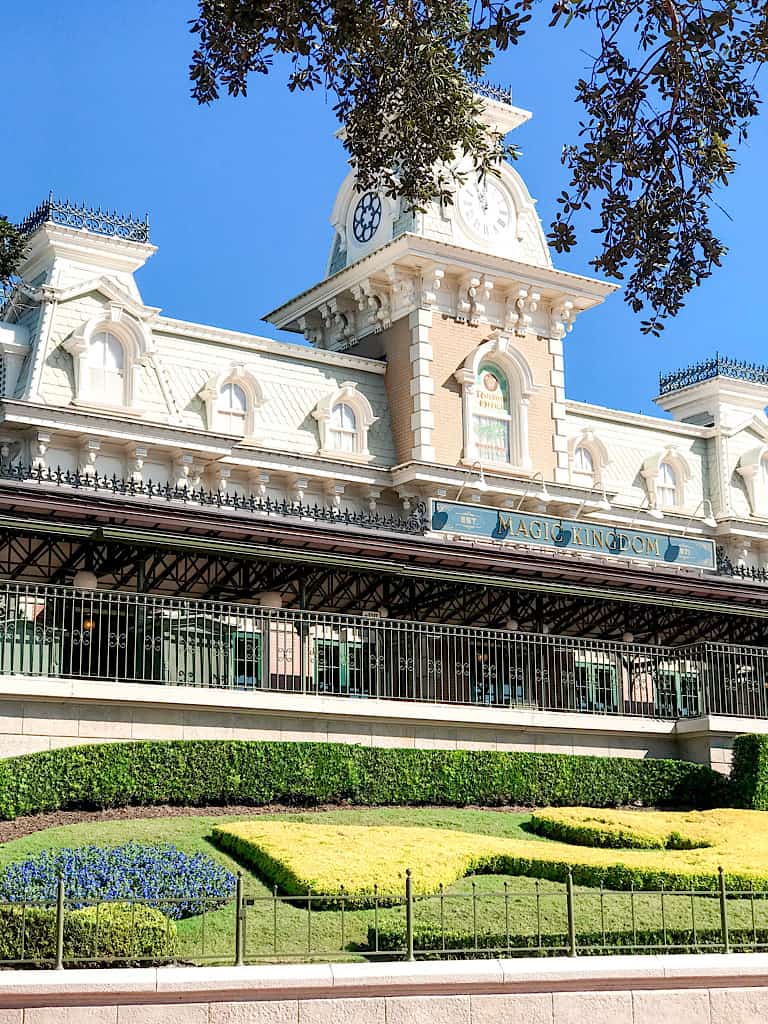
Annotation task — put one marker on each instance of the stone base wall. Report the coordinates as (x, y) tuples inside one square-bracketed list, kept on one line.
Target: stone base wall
[(45, 713), (708, 989)]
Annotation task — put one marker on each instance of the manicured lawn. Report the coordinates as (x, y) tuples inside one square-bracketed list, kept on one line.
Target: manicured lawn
[(285, 928)]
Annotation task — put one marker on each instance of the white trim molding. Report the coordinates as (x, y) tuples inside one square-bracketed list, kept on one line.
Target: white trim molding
[(138, 347), (346, 394), (501, 352), (588, 440), (244, 378), (651, 471), (752, 470)]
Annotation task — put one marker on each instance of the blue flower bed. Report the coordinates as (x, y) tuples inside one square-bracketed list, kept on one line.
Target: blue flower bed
[(179, 884)]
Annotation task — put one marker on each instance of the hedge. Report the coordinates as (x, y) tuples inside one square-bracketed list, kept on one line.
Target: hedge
[(431, 943), (749, 772), (200, 772), (108, 933)]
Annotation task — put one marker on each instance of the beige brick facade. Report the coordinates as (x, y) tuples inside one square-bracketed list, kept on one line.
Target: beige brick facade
[(452, 342)]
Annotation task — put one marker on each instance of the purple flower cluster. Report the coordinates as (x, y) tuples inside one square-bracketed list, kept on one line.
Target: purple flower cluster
[(179, 884)]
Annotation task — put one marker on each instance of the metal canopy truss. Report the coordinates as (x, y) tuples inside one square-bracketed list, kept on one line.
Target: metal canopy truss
[(212, 569)]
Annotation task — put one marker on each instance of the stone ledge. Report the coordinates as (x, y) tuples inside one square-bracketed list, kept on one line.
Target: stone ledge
[(85, 691), (165, 985)]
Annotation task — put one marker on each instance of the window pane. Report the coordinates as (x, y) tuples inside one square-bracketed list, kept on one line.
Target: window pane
[(343, 440), (343, 417), (666, 488), (491, 439), (582, 460), (491, 390), (105, 352)]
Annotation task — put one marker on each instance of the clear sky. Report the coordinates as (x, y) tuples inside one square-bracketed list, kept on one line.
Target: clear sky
[(97, 107)]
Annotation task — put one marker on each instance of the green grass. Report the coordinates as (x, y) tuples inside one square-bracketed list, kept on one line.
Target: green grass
[(276, 927)]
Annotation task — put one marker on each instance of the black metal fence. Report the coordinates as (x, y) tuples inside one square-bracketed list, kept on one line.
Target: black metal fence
[(125, 637), (494, 920)]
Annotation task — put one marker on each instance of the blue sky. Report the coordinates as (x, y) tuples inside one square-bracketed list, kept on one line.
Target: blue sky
[(97, 107)]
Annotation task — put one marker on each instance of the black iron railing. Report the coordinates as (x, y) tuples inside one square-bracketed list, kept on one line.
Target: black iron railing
[(477, 917), (122, 637), (719, 366), (414, 523), (89, 218)]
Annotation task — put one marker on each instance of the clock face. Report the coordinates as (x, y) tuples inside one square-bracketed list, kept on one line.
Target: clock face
[(485, 208), (367, 217)]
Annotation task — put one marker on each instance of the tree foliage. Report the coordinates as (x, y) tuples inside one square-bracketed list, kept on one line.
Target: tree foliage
[(12, 249), (669, 97)]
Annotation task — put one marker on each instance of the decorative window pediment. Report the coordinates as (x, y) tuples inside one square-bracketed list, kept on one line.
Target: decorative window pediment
[(496, 383), (344, 418), (753, 470), (231, 398), (588, 458), (666, 474), (107, 353)]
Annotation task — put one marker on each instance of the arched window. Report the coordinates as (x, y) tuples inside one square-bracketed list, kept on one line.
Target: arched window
[(232, 409), (666, 486), (492, 419), (106, 368), (343, 428), (583, 461)]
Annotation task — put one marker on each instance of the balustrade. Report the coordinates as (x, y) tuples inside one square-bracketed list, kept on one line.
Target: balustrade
[(124, 637)]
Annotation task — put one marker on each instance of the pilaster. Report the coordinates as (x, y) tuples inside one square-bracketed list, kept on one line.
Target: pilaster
[(422, 385)]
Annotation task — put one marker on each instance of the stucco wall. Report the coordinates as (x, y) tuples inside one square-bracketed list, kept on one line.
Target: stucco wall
[(710, 989), (43, 713)]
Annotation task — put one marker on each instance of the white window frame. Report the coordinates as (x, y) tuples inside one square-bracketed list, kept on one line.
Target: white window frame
[(667, 486), (589, 442), (651, 473), (240, 376), (500, 353), (347, 394), (103, 380), (138, 348)]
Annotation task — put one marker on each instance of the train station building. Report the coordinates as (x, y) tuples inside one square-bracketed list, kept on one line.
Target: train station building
[(398, 529)]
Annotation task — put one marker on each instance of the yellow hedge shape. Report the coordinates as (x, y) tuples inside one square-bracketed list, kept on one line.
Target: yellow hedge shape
[(325, 858)]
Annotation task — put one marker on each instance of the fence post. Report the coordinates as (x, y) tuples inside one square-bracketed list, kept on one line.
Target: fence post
[(571, 914), (408, 916), (723, 911), (239, 920), (60, 924)]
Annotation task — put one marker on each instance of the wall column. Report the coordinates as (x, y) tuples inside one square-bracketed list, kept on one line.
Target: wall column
[(422, 385)]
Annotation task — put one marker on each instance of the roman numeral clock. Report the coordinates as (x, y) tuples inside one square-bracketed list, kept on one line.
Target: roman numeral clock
[(485, 208)]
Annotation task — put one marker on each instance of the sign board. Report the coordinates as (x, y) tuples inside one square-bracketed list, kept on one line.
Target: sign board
[(570, 535)]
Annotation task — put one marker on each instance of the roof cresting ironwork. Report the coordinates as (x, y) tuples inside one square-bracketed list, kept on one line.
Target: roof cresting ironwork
[(718, 366), (491, 91), (86, 218)]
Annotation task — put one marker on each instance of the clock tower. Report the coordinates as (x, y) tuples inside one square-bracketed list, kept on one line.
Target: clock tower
[(454, 298), (495, 215)]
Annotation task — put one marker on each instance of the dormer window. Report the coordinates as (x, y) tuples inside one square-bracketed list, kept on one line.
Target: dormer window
[(232, 409), (344, 418), (231, 399), (343, 428), (108, 356), (666, 486), (106, 368)]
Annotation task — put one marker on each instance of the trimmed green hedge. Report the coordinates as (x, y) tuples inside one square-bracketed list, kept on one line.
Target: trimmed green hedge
[(749, 772), (199, 772), (431, 944), (109, 933)]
